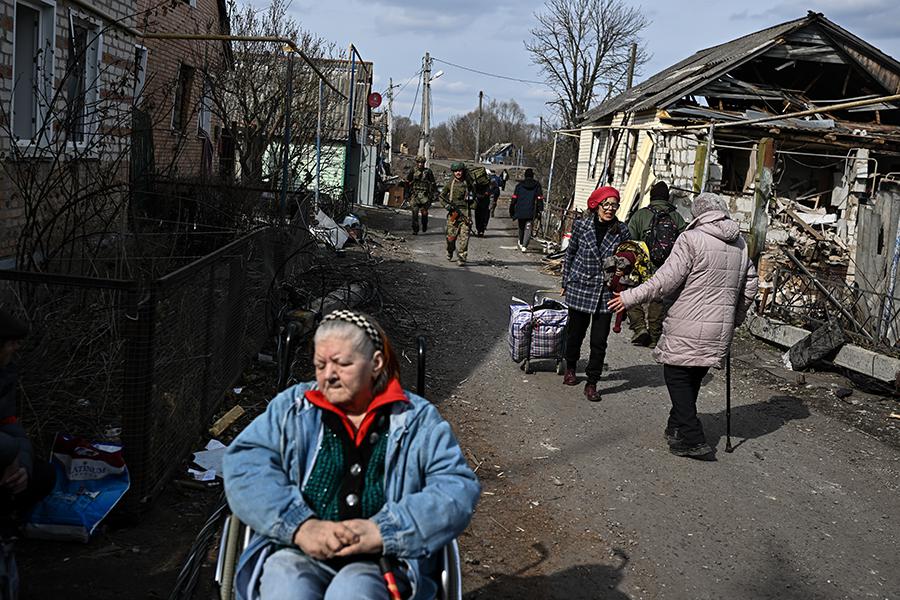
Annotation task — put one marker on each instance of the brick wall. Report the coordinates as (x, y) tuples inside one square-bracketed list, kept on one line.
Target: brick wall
[(179, 153), (26, 170)]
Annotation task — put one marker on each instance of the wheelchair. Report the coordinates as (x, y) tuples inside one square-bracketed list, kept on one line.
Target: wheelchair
[(236, 535)]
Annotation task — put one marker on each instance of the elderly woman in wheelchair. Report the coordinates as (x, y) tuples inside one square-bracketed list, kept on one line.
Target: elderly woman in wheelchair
[(339, 473)]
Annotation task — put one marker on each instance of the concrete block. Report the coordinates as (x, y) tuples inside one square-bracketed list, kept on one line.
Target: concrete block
[(879, 366)]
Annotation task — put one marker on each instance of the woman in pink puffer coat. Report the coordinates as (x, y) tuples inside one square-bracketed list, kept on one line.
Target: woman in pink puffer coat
[(712, 283)]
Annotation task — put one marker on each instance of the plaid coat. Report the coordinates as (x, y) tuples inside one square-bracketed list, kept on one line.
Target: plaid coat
[(582, 273)]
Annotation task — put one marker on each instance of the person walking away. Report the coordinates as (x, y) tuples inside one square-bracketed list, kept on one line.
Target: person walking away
[(482, 194), (495, 192), (504, 177), (657, 225), (422, 191), (714, 283), (525, 206), (456, 197), (594, 238)]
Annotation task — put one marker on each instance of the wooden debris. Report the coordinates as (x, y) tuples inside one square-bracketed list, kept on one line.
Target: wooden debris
[(226, 421)]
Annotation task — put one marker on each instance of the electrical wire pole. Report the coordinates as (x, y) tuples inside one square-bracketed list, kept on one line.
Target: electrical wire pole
[(478, 129), (425, 138)]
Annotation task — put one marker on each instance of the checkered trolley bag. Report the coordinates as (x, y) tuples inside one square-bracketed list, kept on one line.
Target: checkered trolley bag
[(537, 331)]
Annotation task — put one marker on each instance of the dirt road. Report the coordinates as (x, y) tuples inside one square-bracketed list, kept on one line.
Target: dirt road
[(583, 500)]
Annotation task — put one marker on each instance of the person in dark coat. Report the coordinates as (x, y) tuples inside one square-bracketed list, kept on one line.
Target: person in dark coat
[(594, 238), (23, 482), (525, 206)]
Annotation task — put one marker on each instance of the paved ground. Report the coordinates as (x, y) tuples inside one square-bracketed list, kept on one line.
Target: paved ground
[(582, 500)]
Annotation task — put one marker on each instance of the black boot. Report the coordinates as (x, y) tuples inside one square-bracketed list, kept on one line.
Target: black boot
[(424, 223)]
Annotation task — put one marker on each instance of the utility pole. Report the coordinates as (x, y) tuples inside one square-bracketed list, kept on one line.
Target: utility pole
[(478, 128), (631, 63), (389, 138), (542, 128), (425, 138)]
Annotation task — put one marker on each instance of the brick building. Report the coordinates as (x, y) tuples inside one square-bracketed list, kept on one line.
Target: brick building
[(67, 83), (187, 135)]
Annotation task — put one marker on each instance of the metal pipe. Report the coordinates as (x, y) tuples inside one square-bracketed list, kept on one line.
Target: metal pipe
[(350, 118), (709, 150), (287, 133), (243, 38), (802, 113), (827, 294), (319, 146), (552, 161)]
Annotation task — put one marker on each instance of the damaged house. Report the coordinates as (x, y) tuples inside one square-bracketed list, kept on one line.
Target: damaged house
[(798, 126)]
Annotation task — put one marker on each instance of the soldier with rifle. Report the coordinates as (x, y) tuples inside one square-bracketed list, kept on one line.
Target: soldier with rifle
[(422, 191), (457, 197)]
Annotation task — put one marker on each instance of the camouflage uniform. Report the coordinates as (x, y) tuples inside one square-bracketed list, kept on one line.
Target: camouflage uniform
[(422, 190), (456, 197)]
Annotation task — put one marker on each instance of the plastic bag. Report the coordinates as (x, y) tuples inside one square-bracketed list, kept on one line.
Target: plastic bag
[(91, 478)]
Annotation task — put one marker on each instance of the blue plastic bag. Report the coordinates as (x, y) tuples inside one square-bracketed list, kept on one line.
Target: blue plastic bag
[(91, 478)]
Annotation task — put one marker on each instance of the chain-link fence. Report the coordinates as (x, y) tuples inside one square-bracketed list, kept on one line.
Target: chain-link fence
[(145, 362)]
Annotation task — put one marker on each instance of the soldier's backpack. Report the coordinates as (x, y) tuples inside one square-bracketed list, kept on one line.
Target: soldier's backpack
[(480, 178), (660, 235)]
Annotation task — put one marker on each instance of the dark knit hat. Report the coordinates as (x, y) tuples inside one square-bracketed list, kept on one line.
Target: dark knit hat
[(11, 328), (529, 173), (458, 166), (659, 191)]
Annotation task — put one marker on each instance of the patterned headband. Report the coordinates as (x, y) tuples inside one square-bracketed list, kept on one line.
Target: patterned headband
[(348, 316)]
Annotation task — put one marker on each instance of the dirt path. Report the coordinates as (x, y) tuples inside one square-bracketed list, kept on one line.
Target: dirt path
[(583, 501)]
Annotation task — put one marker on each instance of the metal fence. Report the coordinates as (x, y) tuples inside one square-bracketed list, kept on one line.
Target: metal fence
[(145, 362), (869, 319)]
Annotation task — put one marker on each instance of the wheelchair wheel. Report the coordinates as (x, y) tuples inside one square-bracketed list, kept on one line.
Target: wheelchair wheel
[(559, 368), (528, 368)]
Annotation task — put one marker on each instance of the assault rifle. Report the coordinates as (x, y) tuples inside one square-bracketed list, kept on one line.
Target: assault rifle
[(454, 213)]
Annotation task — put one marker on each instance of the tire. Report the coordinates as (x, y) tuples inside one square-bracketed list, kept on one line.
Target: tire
[(528, 369), (559, 368)]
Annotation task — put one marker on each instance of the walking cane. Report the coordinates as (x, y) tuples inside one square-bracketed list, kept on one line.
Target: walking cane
[(728, 447)]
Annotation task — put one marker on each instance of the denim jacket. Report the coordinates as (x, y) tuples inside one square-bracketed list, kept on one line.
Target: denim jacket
[(429, 488)]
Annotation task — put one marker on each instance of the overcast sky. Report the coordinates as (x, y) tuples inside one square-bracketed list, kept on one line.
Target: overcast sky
[(488, 36)]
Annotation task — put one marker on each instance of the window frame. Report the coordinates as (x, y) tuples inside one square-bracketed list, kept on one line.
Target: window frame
[(140, 73), (44, 73), (93, 57), (182, 99)]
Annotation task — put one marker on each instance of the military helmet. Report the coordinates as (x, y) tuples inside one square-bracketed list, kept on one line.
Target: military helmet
[(458, 166), (420, 158)]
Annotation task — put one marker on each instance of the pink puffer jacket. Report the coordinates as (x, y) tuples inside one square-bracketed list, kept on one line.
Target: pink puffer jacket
[(713, 283)]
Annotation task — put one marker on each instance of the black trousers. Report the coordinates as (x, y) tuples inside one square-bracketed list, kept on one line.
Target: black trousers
[(482, 213), (524, 231), (684, 386), (578, 324)]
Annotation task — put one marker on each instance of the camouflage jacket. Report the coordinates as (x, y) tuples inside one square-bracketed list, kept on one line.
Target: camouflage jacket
[(422, 186), (457, 194)]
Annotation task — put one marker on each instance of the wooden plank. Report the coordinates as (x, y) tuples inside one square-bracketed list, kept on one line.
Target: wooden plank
[(226, 421), (806, 226), (765, 164)]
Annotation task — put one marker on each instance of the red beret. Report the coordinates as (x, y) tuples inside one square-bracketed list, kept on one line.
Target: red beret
[(601, 194)]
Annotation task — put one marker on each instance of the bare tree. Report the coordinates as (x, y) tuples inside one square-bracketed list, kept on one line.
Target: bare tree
[(582, 47), (250, 95)]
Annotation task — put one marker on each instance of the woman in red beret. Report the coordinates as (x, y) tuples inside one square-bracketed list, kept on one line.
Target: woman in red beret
[(594, 238)]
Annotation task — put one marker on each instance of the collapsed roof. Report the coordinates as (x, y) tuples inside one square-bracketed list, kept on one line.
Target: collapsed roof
[(795, 66)]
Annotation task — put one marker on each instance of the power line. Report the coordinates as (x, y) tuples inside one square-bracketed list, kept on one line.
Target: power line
[(489, 74), (416, 97), (404, 85)]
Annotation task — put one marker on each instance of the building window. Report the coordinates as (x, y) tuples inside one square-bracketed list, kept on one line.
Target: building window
[(182, 111), (140, 72), (82, 80), (32, 68), (205, 117)]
